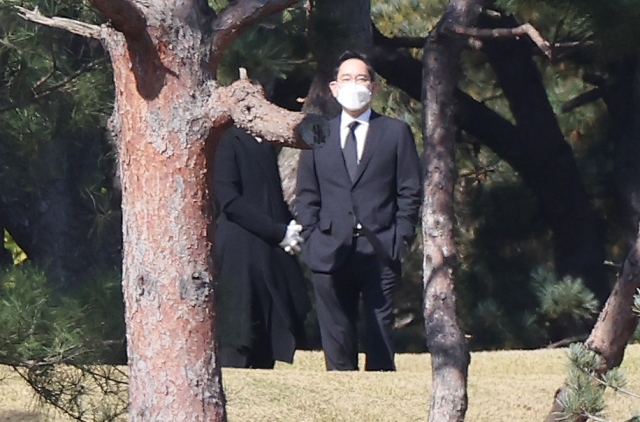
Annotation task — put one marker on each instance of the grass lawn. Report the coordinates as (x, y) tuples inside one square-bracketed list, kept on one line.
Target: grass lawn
[(503, 386)]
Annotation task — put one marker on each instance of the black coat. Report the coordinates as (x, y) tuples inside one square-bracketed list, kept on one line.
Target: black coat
[(253, 220), (385, 196)]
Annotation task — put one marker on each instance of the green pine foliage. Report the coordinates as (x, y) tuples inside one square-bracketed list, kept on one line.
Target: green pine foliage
[(500, 233), (56, 94), (406, 18), (500, 236), (564, 306), (567, 298), (611, 25), (271, 49), (584, 393), (59, 344), (40, 108)]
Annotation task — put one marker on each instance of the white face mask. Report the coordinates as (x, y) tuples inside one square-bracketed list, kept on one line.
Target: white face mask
[(353, 96)]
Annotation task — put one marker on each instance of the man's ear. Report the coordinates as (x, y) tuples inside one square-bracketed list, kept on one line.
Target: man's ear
[(333, 86), (374, 87)]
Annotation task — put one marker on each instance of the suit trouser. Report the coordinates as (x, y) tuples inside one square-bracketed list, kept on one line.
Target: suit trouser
[(337, 302)]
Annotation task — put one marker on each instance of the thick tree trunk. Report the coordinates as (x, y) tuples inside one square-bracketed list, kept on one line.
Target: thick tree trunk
[(445, 341), (615, 326), (168, 231), (578, 246), (168, 116)]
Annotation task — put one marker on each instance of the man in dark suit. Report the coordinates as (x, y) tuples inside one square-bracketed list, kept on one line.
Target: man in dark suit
[(358, 198), (261, 293)]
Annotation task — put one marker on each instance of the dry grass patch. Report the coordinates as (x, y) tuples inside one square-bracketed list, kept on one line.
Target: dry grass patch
[(503, 386)]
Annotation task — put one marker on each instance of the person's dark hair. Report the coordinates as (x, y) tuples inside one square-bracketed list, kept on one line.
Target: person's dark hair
[(348, 55)]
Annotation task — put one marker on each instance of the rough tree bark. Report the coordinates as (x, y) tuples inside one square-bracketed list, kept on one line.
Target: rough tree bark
[(446, 342), (169, 113), (615, 326)]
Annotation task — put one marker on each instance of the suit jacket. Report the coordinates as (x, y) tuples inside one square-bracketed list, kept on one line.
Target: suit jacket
[(385, 196), (253, 220)]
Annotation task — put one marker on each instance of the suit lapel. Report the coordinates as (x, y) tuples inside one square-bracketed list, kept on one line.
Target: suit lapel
[(374, 134)]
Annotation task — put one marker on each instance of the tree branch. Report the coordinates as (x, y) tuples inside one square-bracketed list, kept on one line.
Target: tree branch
[(524, 29), (566, 341), (616, 324), (552, 50), (127, 19), (582, 99), (246, 105), (230, 23), (73, 26), (48, 76), (53, 88), (123, 15)]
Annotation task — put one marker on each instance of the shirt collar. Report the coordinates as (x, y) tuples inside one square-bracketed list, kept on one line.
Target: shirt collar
[(363, 119)]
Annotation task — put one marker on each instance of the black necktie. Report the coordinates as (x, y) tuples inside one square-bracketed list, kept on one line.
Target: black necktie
[(350, 151)]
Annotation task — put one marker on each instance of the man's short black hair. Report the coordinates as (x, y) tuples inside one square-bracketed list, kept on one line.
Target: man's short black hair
[(350, 54)]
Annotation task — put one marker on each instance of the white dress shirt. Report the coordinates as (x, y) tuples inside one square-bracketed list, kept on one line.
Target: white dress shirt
[(360, 132)]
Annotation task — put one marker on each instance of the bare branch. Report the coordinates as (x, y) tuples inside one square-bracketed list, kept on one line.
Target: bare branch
[(123, 15), (566, 341), (564, 49), (45, 78), (552, 50), (583, 99), (524, 29), (599, 380), (230, 23), (73, 26), (246, 105), (127, 19), (53, 88), (9, 45), (595, 80)]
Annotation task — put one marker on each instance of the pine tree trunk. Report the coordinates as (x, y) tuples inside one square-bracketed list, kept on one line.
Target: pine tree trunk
[(445, 341), (615, 326), (169, 113), (167, 227)]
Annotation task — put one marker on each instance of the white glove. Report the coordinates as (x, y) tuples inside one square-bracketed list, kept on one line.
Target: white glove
[(292, 240)]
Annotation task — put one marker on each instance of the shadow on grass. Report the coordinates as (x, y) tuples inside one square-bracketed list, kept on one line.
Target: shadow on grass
[(17, 416)]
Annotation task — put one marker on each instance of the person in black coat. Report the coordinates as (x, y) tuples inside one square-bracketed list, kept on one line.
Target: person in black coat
[(262, 295), (357, 198)]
